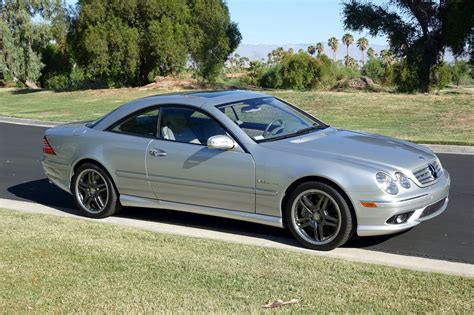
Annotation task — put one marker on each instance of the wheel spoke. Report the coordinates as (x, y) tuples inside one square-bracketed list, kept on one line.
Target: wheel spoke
[(303, 219), (308, 210), (320, 202), (99, 202), (88, 200), (325, 204), (83, 185), (307, 202), (305, 225), (314, 227), (329, 218), (320, 231)]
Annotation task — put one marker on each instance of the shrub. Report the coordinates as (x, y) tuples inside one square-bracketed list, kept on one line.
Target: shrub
[(441, 75), (300, 71), (460, 72), (374, 69), (405, 77), (57, 82), (272, 78)]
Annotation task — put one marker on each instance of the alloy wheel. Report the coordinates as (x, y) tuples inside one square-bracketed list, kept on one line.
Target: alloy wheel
[(92, 191), (316, 217)]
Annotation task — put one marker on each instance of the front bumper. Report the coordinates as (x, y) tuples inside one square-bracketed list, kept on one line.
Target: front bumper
[(373, 221)]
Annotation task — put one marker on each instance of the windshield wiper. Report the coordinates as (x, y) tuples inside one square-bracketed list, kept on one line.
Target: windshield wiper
[(297, 133)]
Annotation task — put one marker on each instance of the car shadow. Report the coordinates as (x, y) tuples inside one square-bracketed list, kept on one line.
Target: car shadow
[(43, 192)]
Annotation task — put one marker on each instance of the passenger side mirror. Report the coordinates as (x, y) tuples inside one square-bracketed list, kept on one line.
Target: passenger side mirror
[(220, 142)]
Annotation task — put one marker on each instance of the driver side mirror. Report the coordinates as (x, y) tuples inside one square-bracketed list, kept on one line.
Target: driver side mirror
[(220, 142)]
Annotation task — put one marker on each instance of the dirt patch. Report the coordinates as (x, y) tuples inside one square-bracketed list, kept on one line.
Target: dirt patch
[(172, 83), (360, 83)]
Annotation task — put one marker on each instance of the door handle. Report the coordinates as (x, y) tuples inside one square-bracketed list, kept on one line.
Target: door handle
[(157, 152)]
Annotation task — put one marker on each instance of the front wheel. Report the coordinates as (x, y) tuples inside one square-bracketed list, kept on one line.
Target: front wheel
[(318, 216), (94, 192)]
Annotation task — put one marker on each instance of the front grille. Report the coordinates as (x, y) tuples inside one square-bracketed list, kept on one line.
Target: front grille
[(429, 173), (433, 208)]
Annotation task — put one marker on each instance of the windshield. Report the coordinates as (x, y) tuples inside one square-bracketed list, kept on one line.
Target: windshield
[(268, 118)]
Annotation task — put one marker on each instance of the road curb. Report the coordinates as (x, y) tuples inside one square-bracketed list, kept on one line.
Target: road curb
[(437, 148), (29, 122), (349, 254)]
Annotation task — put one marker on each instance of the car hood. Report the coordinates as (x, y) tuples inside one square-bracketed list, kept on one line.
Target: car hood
[(358, 147)]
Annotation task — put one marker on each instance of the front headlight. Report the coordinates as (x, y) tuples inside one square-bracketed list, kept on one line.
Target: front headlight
[(403, 180), (386, 183)]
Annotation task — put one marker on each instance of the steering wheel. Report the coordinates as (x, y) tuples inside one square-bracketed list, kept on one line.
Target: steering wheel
[(276, 130)]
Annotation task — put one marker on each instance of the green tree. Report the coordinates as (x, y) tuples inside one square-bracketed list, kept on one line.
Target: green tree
[(374, 69), (334, 44), (320, 48), (311, 50), (214, 36), (130, 42), (299, 71), (348, 40), (276, 55), (460, 72), (371, 53), (362, 43), (25, 29), (441, 75), (418, 30)]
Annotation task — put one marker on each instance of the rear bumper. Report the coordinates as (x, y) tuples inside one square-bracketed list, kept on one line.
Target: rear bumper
[(426, 204), (57, 172)]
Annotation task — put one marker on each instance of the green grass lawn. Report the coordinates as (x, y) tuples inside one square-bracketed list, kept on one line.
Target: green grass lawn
[(58, 265), (444, 118)]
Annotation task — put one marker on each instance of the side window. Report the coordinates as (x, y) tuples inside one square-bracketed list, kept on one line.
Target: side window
[(143, 124), (188, 125)]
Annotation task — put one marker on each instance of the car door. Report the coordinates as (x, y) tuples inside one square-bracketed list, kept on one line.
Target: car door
[(181, 168), (125, 145)]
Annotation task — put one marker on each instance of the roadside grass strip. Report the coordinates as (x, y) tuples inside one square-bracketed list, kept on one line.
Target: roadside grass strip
[(57, 264)]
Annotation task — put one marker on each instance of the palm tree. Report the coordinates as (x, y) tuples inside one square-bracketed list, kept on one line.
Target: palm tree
[(348, 40), (362, 43), (386, 57), (371, 53), (333, 43), (311, 50), (319, 48)]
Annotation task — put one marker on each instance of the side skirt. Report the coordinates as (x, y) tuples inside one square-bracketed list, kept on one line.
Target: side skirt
[(132, 201)]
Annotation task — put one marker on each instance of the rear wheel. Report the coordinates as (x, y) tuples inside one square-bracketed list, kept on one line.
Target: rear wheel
[(94, 192), (318, 216)]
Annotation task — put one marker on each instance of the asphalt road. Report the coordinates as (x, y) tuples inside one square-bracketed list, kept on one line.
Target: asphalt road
[(449, 236)]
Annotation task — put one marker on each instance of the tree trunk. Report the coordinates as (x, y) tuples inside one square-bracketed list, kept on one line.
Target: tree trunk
[(30, 84), (424, 77)]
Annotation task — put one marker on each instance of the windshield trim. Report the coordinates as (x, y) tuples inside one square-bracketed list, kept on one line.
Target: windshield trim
[(322, 124)]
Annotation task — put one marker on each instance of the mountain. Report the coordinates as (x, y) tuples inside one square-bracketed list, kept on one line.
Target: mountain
[(259, 51)]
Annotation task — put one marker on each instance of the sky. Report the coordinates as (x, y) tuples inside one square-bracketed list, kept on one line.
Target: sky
[(282, 22), (290, 21)]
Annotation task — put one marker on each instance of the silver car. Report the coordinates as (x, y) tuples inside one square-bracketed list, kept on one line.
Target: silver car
[(246, 156)]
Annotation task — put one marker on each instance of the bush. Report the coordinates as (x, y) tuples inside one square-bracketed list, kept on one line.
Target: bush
[(300, 71), (272, 78), (405, 77), (441, 75), (374, 69), (57, 82), (460, 72)]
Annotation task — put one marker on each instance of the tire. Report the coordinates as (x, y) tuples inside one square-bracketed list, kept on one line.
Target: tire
[(99, 199), (313, 226)]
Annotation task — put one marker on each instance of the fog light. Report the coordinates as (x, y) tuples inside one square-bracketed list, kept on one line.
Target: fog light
[(400, 218)]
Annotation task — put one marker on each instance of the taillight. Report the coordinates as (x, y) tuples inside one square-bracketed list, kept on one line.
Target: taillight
[(47, 148)]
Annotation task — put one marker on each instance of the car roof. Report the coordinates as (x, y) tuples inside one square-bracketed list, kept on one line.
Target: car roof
[(209, 98), (202, 99)]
